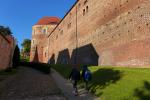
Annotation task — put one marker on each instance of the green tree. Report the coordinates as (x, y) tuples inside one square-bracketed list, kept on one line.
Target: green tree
[(26, 45), (16, 57), (5, 30)]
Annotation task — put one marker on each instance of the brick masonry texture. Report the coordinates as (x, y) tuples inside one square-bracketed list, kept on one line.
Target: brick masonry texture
[(102, 32), (6, 46)]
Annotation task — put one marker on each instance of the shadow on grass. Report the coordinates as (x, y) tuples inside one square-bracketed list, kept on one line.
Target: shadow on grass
[(102, 78), (144, 92), (64, 70)]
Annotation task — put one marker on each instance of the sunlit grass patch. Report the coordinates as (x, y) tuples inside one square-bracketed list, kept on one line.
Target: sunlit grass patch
[(111, 83)]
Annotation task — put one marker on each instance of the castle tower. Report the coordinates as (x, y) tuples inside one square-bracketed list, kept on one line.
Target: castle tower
[(39, 44)]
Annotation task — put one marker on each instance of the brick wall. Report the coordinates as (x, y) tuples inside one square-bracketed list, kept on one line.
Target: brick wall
[(118, 31), (5, 51), (98, 32)]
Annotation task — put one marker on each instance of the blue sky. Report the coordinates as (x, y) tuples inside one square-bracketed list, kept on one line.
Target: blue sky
[(21, 15)]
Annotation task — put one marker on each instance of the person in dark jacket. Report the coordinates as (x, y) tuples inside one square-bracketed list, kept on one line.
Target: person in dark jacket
[(84, 69), (75, 77)]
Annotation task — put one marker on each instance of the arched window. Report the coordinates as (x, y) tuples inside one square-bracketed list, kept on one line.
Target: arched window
[(85, 2), (45, 54), (33, 41), (87, 8), (83, 12), (79, 5), (34, 31), (69, 25), (44, 31), (70, 15)]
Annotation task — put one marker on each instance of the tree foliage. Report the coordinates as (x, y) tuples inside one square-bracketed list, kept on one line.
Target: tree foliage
[(5, 30), (16, 57), (26, 45)]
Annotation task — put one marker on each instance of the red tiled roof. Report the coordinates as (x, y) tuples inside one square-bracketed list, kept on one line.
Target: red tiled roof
[(48, 20)]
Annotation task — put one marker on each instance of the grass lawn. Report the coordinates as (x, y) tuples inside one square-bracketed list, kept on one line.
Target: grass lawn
[(8, 72), (117, 83), (64, 70)]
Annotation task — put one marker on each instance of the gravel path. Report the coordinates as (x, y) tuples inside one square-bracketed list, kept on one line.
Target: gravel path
[(29, 84)]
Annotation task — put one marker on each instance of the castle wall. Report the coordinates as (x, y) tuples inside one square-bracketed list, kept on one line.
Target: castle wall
[(105, 32), (5, 52)]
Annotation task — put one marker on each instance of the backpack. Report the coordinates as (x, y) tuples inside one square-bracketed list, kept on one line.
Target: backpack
[(88, 75)]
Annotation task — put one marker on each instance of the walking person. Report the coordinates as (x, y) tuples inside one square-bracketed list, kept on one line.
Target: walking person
[(75, 77), (86, 76)]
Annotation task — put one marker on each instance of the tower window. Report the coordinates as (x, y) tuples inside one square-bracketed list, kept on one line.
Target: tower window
[(45, 54), (34, 31), (44, 31)]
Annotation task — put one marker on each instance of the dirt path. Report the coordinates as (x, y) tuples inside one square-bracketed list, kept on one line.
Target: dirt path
[(67, 88)]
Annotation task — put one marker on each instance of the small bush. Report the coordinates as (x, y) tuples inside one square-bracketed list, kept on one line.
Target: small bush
[(16, 57), (39, 66), (8, 69), (24, 59)]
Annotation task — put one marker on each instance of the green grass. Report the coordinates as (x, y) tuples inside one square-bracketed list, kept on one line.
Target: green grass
[(64, 70), (117, 83), (8, 71)]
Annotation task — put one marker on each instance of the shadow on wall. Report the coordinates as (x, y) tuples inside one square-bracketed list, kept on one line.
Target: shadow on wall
[(63, 57), (103, 78), (36, 58), (144, 92), (83, 55), (52, 59)]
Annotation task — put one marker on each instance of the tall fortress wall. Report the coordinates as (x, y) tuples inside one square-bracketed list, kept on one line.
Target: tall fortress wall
[(102, 32)]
